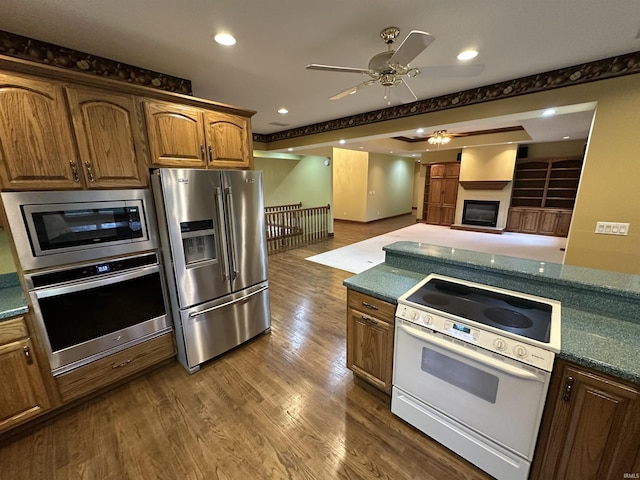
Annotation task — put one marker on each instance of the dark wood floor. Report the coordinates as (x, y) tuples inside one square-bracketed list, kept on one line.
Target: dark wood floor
[(282, 406)]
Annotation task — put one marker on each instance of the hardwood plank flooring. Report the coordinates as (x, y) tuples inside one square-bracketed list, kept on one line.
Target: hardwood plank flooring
[(282, 406)]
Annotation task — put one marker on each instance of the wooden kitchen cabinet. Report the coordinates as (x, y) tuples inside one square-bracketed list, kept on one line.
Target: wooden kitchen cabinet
[(110, 139), (23, 394), (539, 221), (370, 334), (184, 136), (591, 428), (36, 143), (443, 193), (106, 371)]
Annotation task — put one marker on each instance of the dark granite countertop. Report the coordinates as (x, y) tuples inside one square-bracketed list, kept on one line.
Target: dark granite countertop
[(12, 301), (600, 322)]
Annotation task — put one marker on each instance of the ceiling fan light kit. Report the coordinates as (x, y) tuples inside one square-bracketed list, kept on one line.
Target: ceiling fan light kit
[(439, 137), (390, 68)]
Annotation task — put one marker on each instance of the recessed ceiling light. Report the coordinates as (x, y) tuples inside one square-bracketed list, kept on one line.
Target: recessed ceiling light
[(342, 142), (467, 55), (283, 111), (549, 112), (420, 131), (225, 39), (290, 149), (566, 137)]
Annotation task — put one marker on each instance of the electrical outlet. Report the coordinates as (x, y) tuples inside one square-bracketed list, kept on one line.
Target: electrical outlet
[(612, 228)]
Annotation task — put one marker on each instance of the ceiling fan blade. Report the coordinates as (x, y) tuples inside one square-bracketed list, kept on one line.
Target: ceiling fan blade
[(349, 91), (451, 70), (334, 68), (410, 91), (411, 47)]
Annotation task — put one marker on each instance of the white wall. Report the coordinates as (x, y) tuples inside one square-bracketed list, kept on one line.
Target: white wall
[(389, 186), (350, 177)]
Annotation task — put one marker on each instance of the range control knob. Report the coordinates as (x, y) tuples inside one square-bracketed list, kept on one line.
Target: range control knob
[(414, 315), (500, 344), (520, 351), (428, 319)]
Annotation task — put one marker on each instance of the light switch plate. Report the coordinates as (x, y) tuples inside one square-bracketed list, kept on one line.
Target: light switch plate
[(612, 228)]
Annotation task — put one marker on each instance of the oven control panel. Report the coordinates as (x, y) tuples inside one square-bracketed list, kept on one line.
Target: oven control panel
[(467, 331)]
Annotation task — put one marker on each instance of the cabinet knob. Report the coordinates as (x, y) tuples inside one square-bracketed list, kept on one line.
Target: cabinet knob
[(210, 154), (202, 152), (89, 171), (27, 355)]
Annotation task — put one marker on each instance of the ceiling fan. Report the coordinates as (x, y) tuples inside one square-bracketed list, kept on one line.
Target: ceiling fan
[(390, 68)]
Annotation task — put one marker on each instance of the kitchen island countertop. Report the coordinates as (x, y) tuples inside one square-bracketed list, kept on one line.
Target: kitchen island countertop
[(12, 301), (600, 322)]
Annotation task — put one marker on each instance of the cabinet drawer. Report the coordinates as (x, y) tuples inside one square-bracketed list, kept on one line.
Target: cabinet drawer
[(108, 370), (371, 305), (12, 330)]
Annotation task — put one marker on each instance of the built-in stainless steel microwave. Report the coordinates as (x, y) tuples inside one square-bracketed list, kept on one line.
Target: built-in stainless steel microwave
[(63, 227)]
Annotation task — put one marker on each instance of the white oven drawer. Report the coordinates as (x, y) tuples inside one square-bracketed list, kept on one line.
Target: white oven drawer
[(490, 394)]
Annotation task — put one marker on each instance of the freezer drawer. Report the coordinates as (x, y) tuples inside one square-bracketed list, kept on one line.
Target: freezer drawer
[(215, 327)]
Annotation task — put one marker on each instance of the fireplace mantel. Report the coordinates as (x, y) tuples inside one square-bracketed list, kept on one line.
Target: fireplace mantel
[(484, 184)]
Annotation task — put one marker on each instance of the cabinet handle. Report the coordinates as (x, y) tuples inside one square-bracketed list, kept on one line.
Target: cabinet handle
[(118, 365), (369, 320), (210, 154), (202, 152), (89, 171), (369, 306), (568, 387), (74, 171), (27, 355)]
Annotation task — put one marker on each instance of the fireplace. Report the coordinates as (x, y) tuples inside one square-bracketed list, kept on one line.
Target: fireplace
[(482, 213)]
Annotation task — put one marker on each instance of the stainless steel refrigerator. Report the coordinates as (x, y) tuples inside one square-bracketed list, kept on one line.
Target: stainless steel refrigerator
[(212, 233)]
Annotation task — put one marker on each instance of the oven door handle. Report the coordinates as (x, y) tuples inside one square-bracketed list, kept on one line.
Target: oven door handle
[(86, 285), (465, 352)]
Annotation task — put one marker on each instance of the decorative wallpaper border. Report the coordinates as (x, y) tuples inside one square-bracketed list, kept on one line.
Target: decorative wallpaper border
[(588, 72), (26, 48)]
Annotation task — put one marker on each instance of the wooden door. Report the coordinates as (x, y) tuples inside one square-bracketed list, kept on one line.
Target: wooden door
[(514, 220), (23, 394), (594, 432), (370, 348), (548, 222), (176, 134), (530, 221), (228, 140), (36, 144), (110, 139)]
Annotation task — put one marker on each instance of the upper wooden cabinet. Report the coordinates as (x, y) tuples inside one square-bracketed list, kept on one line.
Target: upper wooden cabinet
[(85, 139), (36, 144), (443, 193), (110, 138), (182, 136)]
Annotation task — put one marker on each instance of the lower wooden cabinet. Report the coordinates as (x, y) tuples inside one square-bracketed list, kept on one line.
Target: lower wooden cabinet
[(89, 378), (370, 333), (591, 428), (539, 221), (22, 393)]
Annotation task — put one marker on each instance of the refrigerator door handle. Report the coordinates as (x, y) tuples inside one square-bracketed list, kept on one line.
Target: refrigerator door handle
[(226, 304), (232, 220), (223, 234)]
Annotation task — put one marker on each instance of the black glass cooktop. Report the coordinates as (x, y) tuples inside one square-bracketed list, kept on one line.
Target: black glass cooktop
[(510, 313)]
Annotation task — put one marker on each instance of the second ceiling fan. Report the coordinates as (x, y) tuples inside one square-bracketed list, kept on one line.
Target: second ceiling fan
[(390, 68)]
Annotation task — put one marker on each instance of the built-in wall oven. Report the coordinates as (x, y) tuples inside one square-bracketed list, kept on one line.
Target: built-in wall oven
[(472, 365), (92, 270)]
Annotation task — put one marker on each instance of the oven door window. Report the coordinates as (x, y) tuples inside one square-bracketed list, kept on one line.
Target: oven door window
[(80, 316), (466, 377), (59, 230)]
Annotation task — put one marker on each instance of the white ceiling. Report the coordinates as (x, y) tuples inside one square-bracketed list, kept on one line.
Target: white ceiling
[(265, 70)]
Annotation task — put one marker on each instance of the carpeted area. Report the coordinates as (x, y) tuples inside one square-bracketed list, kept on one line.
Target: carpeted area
[(361, 256)]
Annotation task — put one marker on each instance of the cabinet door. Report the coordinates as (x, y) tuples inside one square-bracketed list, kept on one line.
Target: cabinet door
[(548, 222), (370, 349), (447, 215), (434, 213), (109, 138), (436, 190), (450, 194), (36, 145), (228, 140), (594, 432), (452, 170), (23, 395), (176, 135), (530, 221), (564, 222), (514, 220)]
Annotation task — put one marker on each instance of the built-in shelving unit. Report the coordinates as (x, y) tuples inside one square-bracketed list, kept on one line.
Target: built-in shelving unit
[(546, 183)]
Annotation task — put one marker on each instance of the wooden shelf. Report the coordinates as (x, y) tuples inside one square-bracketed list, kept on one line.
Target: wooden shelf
[(546, 183)]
